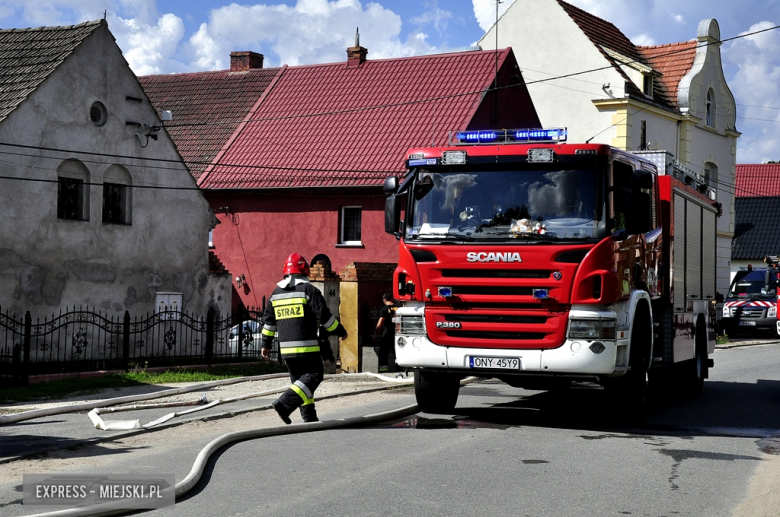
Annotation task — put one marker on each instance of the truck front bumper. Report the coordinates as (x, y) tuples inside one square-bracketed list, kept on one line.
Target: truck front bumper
[(573, 357)]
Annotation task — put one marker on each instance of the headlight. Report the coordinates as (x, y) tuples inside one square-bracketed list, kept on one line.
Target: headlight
[(409, 325), (592, 329), (772, 312)]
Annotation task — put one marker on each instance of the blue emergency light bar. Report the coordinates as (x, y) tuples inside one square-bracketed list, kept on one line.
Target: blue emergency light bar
[(558, 134)]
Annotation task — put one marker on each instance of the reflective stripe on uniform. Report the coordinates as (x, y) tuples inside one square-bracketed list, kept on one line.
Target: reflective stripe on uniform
[(289, 301), (267, 332), (299, 343), (292, 294), (299, 350), (272, 328), (331, 324), (306, 395)]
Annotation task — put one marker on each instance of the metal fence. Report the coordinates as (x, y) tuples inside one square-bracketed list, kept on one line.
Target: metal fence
[(86, 340)]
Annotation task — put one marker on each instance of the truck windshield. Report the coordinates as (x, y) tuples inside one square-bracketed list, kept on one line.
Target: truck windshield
[(751, 285), (534, 204)]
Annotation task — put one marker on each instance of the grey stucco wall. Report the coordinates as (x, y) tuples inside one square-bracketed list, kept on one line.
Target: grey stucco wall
[(46, 263)]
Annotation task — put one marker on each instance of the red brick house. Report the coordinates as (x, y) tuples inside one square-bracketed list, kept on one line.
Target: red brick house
[(293, 158)]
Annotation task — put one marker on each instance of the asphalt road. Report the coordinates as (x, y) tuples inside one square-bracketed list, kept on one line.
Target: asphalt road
[(505, 451)]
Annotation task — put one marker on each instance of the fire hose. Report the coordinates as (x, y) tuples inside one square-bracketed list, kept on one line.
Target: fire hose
[(198, 467)]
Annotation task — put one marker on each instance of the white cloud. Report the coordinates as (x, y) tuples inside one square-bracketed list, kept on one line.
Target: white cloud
[(485, 11), (436, 16), (756, 83), (151, 47), (311, 31)]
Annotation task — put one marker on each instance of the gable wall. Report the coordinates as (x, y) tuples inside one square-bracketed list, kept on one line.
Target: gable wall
[(48, 263), (547, 43)]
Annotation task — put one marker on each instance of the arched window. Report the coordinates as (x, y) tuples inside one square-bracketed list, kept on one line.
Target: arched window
[(73, 191), (117, 195), (323, 259), (711, 176), (710, 115)]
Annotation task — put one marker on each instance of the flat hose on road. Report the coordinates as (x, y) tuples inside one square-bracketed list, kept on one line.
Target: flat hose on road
[(189, 482)]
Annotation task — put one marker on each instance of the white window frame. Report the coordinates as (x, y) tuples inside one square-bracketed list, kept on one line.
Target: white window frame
[(342, 240)]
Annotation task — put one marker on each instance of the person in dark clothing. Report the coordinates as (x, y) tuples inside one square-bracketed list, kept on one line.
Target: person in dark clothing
[(384, 335), (296, 312)]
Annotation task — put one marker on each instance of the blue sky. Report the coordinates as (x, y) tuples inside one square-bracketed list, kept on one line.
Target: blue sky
[(169, 36)]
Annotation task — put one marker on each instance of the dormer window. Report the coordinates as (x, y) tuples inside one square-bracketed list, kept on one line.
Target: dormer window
[(710, 107), (647, 84)]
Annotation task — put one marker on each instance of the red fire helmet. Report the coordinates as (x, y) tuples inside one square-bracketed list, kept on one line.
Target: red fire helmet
[(295, 263)]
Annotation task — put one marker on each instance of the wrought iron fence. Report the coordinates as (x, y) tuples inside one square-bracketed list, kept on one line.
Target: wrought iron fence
[(85, 340)]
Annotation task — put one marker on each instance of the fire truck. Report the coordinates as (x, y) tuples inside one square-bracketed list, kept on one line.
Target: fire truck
[(540, 263)]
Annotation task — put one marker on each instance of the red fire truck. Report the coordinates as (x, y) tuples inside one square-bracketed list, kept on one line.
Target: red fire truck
[(540, 263)]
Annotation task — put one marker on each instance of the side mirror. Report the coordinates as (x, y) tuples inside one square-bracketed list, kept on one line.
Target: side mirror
[(638, 219), (392, 215), (642, 179), (390, 185)]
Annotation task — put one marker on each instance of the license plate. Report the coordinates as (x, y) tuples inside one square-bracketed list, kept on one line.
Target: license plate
[(499, 363), (747, 323)]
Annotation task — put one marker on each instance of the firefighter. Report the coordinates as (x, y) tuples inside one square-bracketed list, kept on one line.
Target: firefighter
[(294, 312)]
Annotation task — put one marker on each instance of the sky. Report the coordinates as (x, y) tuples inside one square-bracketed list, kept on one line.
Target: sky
[(173, 36)]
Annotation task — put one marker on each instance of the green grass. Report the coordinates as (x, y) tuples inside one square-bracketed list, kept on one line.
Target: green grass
[(56, 390), (721, 339)]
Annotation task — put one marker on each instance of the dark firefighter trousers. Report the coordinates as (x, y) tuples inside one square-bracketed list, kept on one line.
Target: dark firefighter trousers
[(306, 374)]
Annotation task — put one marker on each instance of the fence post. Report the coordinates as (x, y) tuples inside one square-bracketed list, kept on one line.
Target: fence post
[(27, 342), (240, 343), (209, 335), (126, 341)]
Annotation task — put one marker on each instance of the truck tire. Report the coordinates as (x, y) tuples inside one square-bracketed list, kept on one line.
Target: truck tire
[(694, 371), (630, 390), (436, 392)]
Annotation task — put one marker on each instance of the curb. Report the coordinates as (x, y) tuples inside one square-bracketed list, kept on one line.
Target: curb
[(747, 343)]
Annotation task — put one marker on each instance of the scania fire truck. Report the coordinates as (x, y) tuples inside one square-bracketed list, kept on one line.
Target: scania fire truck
[(540, 262)]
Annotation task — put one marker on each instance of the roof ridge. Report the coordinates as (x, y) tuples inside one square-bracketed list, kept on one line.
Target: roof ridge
[(590, 15), (678, 43), (55, 27), (209, 72)]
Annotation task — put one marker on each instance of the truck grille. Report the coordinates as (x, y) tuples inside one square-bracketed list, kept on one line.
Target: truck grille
[(495, 318), (488, 290), (495, 273), (496, 335)]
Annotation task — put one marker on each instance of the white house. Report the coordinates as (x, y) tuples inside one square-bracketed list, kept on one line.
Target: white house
[(583, 73), (96, 205)]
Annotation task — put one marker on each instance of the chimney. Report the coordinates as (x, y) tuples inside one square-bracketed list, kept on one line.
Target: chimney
[(245, 60), (357, 54)]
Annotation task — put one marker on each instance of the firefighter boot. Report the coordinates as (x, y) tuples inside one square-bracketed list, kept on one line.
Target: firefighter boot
[(282, 412), (309, 414)]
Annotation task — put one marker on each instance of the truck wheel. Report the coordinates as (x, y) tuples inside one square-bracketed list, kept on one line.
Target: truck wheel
[(436, 392), (630, 390), (694, 371)]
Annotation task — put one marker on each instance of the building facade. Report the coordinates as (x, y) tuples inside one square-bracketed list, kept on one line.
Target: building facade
[(583, 73), (97, 208)]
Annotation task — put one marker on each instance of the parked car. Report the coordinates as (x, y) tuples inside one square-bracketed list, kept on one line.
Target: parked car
[(751, 303), (251, 341)]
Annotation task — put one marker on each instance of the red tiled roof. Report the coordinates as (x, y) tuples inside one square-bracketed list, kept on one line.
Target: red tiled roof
[(674, 61), (757, 180), (671, 61), (29, 56), (601, 32), (207, 108), (330, 125)]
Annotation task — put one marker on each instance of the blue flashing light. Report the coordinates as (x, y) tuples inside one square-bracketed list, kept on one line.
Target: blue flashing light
[(445, 292), (477, 136), (559, 134), (541, 135), (541, 294)]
